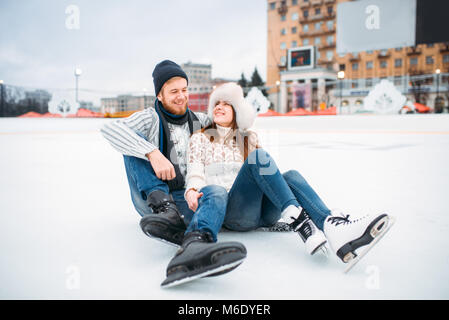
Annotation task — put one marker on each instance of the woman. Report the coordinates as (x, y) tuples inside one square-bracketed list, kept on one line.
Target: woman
[(232, 182)]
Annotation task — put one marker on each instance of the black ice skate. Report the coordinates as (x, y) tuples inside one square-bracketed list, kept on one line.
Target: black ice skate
[(200, 257), (165, 223), (313, 237)]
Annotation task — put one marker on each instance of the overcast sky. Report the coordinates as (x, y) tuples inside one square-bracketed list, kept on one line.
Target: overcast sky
[(119, 42)]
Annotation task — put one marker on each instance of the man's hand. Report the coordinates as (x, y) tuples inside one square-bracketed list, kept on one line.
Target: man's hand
[(162, 167), (192, 197)]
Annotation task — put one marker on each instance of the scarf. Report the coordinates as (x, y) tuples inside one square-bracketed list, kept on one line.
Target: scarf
[(166, 145)]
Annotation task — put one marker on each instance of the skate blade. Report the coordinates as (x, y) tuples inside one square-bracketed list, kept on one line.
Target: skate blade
[(232, 265), (322, 248), (353, 258), (164, 241), (324, 251), (379, 227), (349, 257)]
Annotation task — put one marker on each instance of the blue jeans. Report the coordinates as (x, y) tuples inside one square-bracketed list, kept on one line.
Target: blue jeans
[(211, 210), (258, 196), (211, 206)]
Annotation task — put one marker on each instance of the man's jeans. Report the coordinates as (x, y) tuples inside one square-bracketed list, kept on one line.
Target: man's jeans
[(142, 181)]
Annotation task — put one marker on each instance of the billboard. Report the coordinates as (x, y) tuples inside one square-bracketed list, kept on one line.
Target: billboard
[(382, 24), (375, 25), (301, 58)]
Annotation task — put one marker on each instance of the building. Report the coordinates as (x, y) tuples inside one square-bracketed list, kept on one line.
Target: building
[(219, 81), (421, 73), (88, 105), (38, 100), (199, 101), (298, 23), (200, 77), (200, 85), (125, 105)]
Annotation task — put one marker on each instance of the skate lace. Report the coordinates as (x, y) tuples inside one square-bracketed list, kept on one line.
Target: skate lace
[(197, 236), (299, 220), (306, 230), (340, 220), (161, 207)]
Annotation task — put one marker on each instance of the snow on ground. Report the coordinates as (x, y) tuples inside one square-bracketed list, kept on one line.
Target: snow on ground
[(68, 229)]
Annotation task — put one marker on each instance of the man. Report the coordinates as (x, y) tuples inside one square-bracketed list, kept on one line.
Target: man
[(154, 144)]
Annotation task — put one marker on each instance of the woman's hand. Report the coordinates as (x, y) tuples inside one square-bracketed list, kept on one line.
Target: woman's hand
[(192, 197)]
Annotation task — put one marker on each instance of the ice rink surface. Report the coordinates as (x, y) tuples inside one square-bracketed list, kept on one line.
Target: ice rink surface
[(68, 229)]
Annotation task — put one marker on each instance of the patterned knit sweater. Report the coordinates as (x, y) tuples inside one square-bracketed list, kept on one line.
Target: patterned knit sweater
[(216, 162)]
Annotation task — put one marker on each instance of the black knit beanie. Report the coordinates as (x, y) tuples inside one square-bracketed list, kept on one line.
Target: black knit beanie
[(164, 71)]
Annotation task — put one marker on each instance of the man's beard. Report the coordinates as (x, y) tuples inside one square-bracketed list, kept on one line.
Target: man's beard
[(174, 109)]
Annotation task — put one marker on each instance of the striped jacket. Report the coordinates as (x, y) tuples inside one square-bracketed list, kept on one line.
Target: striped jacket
[(138, 135)]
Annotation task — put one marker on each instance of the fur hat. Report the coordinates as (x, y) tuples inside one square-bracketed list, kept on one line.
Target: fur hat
[(232, 93)]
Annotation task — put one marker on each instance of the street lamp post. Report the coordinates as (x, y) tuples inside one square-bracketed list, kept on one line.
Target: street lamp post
[(437, 104), (2, 105), (278, 83), (341, 76), (77, 74)]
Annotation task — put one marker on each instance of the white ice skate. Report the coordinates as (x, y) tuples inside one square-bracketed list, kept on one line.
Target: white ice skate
[(346, 235), (301, 223)]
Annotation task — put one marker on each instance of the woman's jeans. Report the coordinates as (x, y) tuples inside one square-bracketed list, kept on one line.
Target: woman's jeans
[(258, 196)]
